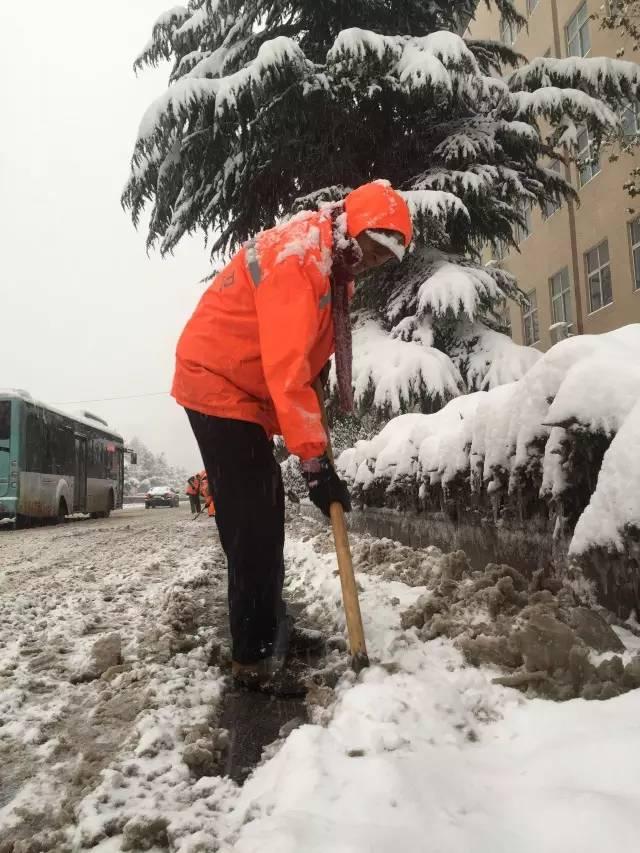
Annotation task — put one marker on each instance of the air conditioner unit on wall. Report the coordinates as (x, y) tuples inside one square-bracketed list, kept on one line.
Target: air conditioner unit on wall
[(560, 331)]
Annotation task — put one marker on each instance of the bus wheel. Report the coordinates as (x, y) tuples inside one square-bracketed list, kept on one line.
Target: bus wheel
[(107, 512), (62, 512)]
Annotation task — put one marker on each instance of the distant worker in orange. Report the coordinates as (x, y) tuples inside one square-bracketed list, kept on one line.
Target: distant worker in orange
[(205, 491), (245, 367), (193, 491)]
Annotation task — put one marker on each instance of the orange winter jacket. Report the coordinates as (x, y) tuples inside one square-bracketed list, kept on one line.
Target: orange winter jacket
[(205, 493), (263, 330)]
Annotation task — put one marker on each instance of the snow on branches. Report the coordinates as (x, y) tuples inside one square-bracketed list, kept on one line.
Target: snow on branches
[(258, 94), (395, 375), (198, 89), (270, 102)]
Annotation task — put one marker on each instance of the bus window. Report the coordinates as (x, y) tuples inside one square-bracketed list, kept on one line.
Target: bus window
[(5, 420), (35, 441), (62, 445)]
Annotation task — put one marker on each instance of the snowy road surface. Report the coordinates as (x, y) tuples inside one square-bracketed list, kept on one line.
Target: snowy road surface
[(110, 688)]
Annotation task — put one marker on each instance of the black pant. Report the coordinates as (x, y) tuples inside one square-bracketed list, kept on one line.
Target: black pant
[(246, 484), (194, 503)]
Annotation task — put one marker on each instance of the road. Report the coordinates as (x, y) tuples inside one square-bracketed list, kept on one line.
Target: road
[(113, 693), (146, 586)]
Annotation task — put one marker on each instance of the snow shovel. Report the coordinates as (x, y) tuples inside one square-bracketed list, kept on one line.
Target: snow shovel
[(199, 513), (359, 657)]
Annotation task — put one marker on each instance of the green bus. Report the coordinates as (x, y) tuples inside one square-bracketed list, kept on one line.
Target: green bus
[(53, 464)]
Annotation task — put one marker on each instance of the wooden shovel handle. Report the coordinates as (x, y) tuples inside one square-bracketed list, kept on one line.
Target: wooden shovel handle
[(358, 648)]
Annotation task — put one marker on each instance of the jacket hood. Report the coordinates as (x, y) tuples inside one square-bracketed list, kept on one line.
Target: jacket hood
[(378, 205)]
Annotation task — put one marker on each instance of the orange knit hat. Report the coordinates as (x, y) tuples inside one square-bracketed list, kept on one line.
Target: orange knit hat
[(378, 205)]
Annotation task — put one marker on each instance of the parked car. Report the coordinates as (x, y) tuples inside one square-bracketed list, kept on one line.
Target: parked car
[(161, 496)]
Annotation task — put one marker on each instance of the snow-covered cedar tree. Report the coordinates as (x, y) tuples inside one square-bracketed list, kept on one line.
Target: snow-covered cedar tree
[(277, 106), (622, 17), (152, 470), (292, 479)]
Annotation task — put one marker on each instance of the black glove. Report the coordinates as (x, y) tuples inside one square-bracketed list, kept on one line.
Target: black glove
[(325, 487)]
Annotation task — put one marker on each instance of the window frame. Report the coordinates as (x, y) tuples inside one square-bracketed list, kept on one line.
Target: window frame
[(635, 268), (506, 316), (563, 275), (582, 8), (531, 313), (499, 250), (589, 274), (532, 5), (521, 233), (513, 30), (593, 164), (634, 109), (547, 212)]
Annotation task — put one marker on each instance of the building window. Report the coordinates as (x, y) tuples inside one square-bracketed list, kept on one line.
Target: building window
[(588, 160), (551, 205), (508, 32), (531, 5), (577, 33), (599, 277), (630, 120), (530, 329), (506, 318), (560, 290), (500, 249), (503, 315), (634, 238), (522, 231)]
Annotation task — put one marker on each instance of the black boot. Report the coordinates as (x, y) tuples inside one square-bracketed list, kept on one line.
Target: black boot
[(305, 641), (268, 676)]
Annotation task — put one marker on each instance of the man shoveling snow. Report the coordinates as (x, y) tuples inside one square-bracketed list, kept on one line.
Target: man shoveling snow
[(245, 368)]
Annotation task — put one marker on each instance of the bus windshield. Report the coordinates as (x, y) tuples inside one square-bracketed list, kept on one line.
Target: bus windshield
[(5, 436), (5, 421)]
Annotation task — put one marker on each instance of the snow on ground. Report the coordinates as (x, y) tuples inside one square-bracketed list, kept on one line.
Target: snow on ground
[(425, 753), (420, 753), (103, 649)]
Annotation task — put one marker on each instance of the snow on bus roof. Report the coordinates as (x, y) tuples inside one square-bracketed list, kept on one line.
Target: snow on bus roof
[(25, 396)]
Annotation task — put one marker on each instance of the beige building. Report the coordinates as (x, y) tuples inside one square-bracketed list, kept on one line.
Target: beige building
[(579, 263)]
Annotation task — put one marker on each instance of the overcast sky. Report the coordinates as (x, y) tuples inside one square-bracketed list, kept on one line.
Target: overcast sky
[(84, 312)]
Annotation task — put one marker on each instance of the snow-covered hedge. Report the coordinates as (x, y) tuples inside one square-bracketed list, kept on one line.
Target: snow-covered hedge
[(561, 444)]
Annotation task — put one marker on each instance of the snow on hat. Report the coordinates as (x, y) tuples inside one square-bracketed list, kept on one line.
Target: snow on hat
[(391, 240), (378, 206)]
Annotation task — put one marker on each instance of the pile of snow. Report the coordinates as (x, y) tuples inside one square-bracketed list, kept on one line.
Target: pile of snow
[(615, 504), (589, 383), (425, 753)]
